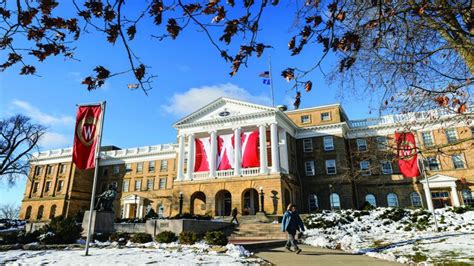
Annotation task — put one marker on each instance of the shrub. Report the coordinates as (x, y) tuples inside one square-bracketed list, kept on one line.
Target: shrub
[(367, 206), (116, 237), (102, 237), (165, 237), (187, 238), (131, 220), (10, 238), (192, 216), (395, 214), (151, 214), (141, 238), (216, 238), (28, 237), (65, 230), (48, 238), (461, 210)]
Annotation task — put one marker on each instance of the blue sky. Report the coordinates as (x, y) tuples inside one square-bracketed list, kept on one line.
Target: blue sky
[(190, 73)]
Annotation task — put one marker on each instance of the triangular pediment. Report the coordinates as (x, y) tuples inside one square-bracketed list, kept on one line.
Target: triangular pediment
[(223, 108), (438, 178)]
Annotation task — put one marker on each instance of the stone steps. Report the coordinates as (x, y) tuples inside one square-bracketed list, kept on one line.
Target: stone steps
[(257, 231)]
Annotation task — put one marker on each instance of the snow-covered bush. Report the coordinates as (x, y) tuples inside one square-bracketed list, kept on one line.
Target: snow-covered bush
[(119, 236), (141, 238), (65, 230)]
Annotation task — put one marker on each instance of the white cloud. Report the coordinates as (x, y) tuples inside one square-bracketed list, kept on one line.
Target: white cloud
[(195, 98), (41, 117), (52, 140)]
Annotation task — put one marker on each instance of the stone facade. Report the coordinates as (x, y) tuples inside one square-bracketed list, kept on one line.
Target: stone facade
[(323, 160)]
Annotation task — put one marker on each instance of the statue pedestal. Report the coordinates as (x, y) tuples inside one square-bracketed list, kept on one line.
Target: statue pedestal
[(262, 217), (102, 222)]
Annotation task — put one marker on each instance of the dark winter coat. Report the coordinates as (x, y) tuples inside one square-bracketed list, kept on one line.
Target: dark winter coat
[(291, 222)]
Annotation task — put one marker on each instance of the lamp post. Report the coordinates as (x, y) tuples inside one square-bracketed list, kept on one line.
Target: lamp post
[(180, 202), (136, 207), (261, 200)]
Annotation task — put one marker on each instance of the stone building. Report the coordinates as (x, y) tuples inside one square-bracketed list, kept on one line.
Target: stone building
[(315, 157)]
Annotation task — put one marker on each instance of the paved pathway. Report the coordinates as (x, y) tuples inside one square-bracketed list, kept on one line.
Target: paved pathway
[(317, 256)]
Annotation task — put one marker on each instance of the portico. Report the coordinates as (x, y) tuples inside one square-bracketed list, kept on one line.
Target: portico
[(439, 181)]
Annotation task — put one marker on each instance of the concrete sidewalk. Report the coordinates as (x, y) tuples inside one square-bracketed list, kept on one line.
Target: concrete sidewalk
[(316, 256)]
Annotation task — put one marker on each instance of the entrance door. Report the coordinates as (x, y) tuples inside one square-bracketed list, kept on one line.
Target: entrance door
[(223, 203), (250, 202), (441, 199), (132, 211)]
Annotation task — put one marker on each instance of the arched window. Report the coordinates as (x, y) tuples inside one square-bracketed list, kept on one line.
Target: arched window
[(370, 198), (313, 202), (415, 199), (335, 201), (468, 197), (392, 200), (52, 212), (39, 216), (28, 213)]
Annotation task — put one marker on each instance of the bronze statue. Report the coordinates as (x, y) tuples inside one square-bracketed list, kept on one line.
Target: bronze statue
[(106, 199)]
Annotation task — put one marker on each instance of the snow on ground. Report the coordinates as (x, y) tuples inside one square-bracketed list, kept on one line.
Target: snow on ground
[(136, 254), (396, 234)]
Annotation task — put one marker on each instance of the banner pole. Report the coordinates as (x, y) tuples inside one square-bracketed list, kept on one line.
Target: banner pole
[(271, 79), (96, 171), (429, 191)]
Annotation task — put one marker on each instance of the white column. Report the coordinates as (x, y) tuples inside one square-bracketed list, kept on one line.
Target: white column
[(190, 157), (455, 196), (237, 152), (181, 158), (284, 164), (127, 211), (275, 151), (212, 160), (263, 149), (429, 200)]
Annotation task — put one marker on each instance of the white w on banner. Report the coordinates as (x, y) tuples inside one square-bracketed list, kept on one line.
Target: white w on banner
[(226, 152)]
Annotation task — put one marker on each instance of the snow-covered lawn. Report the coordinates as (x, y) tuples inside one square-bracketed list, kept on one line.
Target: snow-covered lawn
[(398, 235), (134, 254)]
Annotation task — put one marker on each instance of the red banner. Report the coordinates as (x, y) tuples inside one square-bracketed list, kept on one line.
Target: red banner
[(250, 149), (407, 154), (202, 149), (85, 136)]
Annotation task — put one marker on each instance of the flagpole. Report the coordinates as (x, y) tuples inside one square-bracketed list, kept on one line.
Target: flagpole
[(96, 171), (271, 79), (429, 191)]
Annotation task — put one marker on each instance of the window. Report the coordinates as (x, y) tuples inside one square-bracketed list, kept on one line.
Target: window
[(439, 194), (472, 131), (365, 168), (62, 168), (28, 213), (468, 197), (161, 211), (40, 212), (427, 139), (382, 143), (105, 171), (415, 199), (335, 201), (52, 212), (164, 166), (49, 170), (138, 185), (162, 183), (451, 135), (125, 186), (60, 185), (151, 166), (139, 167), (392, 200), (128, 167), (361, 145), (307, 145), (330, 167), (370, 198), (313, 202), (114, 184), (386, 167), (326, 116), (116, 169), (328, 142), (433, 164), (305, 119), (309, 168), (35, 187), (37, 170), (47, 187), (458, 161), (149, 184)]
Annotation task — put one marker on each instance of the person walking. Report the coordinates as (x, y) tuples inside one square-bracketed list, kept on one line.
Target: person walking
[(291, 223), (234, 216)]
